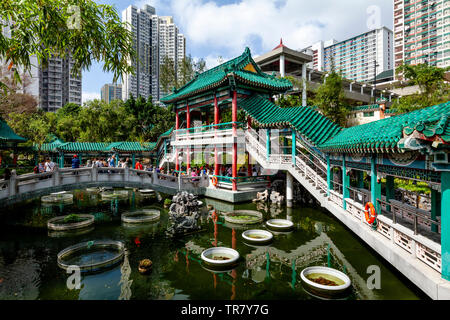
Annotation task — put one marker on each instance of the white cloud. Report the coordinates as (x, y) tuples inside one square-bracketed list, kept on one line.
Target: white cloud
[(212, 27), (86, 96)]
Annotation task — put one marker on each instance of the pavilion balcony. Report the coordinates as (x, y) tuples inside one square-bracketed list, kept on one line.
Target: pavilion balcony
[(207, 135)]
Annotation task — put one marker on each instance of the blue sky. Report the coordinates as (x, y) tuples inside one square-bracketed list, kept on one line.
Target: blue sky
[(224, 28)]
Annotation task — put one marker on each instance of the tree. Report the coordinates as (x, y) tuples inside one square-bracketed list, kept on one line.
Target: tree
[(187, 70), (167, 75), (330, 98), (430, 79), (16, 99), (46, 28), (34, 127)]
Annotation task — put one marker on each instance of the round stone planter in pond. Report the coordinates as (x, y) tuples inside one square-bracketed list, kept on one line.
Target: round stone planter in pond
[(69, 233), (258, 237), (64, 223), (147, 192), (58, 198), (116, 194), (141, 216), (220, 257), (244, 217), (280, 224), (92, 256), (325, 282)]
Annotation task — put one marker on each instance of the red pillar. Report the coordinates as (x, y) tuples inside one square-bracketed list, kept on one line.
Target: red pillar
[(188, 125), (234, 120), (216, 121), (177, 126), (249, 166)]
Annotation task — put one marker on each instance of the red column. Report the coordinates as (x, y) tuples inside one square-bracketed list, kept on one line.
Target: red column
[(188, 125), (234, 120), (216, 121), (249, 166), (177, 126)]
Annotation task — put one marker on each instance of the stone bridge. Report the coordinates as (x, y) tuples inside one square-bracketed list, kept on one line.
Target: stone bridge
[(27, 186)]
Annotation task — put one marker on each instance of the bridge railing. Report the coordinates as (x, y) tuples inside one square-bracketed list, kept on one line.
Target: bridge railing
[(26, 183)]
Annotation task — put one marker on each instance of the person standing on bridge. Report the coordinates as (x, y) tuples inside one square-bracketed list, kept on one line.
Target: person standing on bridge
[(75, 163), (139, 166)]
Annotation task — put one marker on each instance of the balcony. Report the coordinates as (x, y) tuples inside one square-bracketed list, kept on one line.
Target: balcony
[(206, 135)]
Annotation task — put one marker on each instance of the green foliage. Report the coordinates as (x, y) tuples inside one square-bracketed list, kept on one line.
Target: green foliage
[(187, 70), (430, 79), (167, 202), (71, 218), (409, 185), (48, 28), (289, 101), (330, 99), (167, 75), (96, 121)]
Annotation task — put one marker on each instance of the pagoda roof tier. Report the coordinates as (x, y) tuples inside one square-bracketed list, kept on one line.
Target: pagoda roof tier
[(241, 69), (8, 135), (384, 135), (306, 120)]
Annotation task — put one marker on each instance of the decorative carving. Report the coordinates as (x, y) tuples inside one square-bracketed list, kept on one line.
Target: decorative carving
[(183, 214)]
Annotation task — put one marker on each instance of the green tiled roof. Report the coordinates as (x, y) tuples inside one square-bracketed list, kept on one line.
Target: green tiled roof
[(390, 111), (306, 120), (432, 127), (50, 147), (366, 107), (127, 146), (7, 134), (219, 75), (383, 135), (84, 146), (121, 146)]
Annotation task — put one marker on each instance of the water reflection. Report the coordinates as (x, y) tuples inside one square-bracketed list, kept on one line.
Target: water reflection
[(28, 266)]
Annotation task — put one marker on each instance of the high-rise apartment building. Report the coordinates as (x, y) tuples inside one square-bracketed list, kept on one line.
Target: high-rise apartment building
[(111, 92), (57, 85), (53, 86), (355, 57), (154, 38), (422, 32)]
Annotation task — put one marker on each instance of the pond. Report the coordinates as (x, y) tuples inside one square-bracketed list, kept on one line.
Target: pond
[(29, 270)]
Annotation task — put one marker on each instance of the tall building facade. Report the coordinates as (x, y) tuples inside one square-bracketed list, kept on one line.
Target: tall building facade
[(111, 92), (422, 32), (154, 37), (57, 85), (355, 57), (53, 86)]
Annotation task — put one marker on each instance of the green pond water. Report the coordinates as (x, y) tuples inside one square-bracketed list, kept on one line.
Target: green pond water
[(29, 270)]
